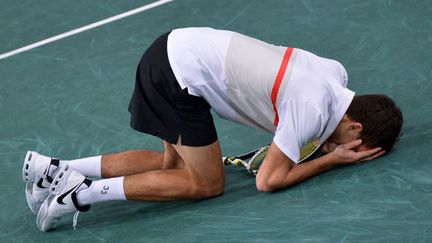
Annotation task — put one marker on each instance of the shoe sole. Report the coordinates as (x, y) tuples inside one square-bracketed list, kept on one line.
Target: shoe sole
[(33, 204), (28, 175), (56, 187), (43, 215)]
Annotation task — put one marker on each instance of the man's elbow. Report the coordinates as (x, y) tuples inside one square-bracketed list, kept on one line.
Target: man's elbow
[(266, 185)]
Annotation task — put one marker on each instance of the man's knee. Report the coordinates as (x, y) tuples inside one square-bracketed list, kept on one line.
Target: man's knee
[(208, 188), (205, 168)]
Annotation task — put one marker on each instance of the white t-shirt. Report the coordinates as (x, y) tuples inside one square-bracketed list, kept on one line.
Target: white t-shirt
[(235, 74)]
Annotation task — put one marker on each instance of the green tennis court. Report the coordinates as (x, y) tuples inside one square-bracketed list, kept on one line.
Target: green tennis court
[(69, 99)]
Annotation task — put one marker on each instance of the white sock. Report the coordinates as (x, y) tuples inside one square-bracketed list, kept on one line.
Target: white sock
[(90, 166), (102, 190)]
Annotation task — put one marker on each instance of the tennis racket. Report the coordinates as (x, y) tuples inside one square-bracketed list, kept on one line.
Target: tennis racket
[(252, 160)]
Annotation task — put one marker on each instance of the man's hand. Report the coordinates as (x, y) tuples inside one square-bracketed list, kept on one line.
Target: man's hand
[(278, 171), (346, 153)]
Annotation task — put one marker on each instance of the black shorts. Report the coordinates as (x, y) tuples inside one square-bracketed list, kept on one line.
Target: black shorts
[(161, 108)]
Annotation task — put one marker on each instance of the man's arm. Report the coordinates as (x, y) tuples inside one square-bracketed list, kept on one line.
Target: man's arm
[(278, 171)]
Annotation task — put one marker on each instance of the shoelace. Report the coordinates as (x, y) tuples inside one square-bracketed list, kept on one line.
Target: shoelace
[(75, 219), (86, 182)]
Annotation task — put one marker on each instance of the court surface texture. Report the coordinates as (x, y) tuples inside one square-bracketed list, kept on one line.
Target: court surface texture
[(68, 99)]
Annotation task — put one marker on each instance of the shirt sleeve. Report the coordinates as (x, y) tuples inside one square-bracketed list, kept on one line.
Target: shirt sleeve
[(299, 122)]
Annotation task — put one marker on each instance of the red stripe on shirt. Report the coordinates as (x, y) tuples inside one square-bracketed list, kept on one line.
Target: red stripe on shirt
[(278, 81)]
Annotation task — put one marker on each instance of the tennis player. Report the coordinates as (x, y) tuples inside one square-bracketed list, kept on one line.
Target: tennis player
[(290, 92)]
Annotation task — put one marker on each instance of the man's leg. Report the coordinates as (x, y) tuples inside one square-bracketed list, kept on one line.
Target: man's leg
[(123, 163), (201, 177), (131, 162), (39, 170), (138, 161), (186, 173)]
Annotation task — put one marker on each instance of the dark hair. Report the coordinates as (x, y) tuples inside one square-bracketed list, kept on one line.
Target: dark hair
[(381, 119)]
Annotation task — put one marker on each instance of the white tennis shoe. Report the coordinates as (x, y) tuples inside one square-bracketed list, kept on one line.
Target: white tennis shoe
[(62, 198), (36, 173)]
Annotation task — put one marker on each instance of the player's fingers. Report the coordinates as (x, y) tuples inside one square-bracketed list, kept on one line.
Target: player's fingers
[(368, 153), (374, 156), (352, 144)]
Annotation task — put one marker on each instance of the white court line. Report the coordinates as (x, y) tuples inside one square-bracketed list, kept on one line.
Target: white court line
[(84, 28)]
